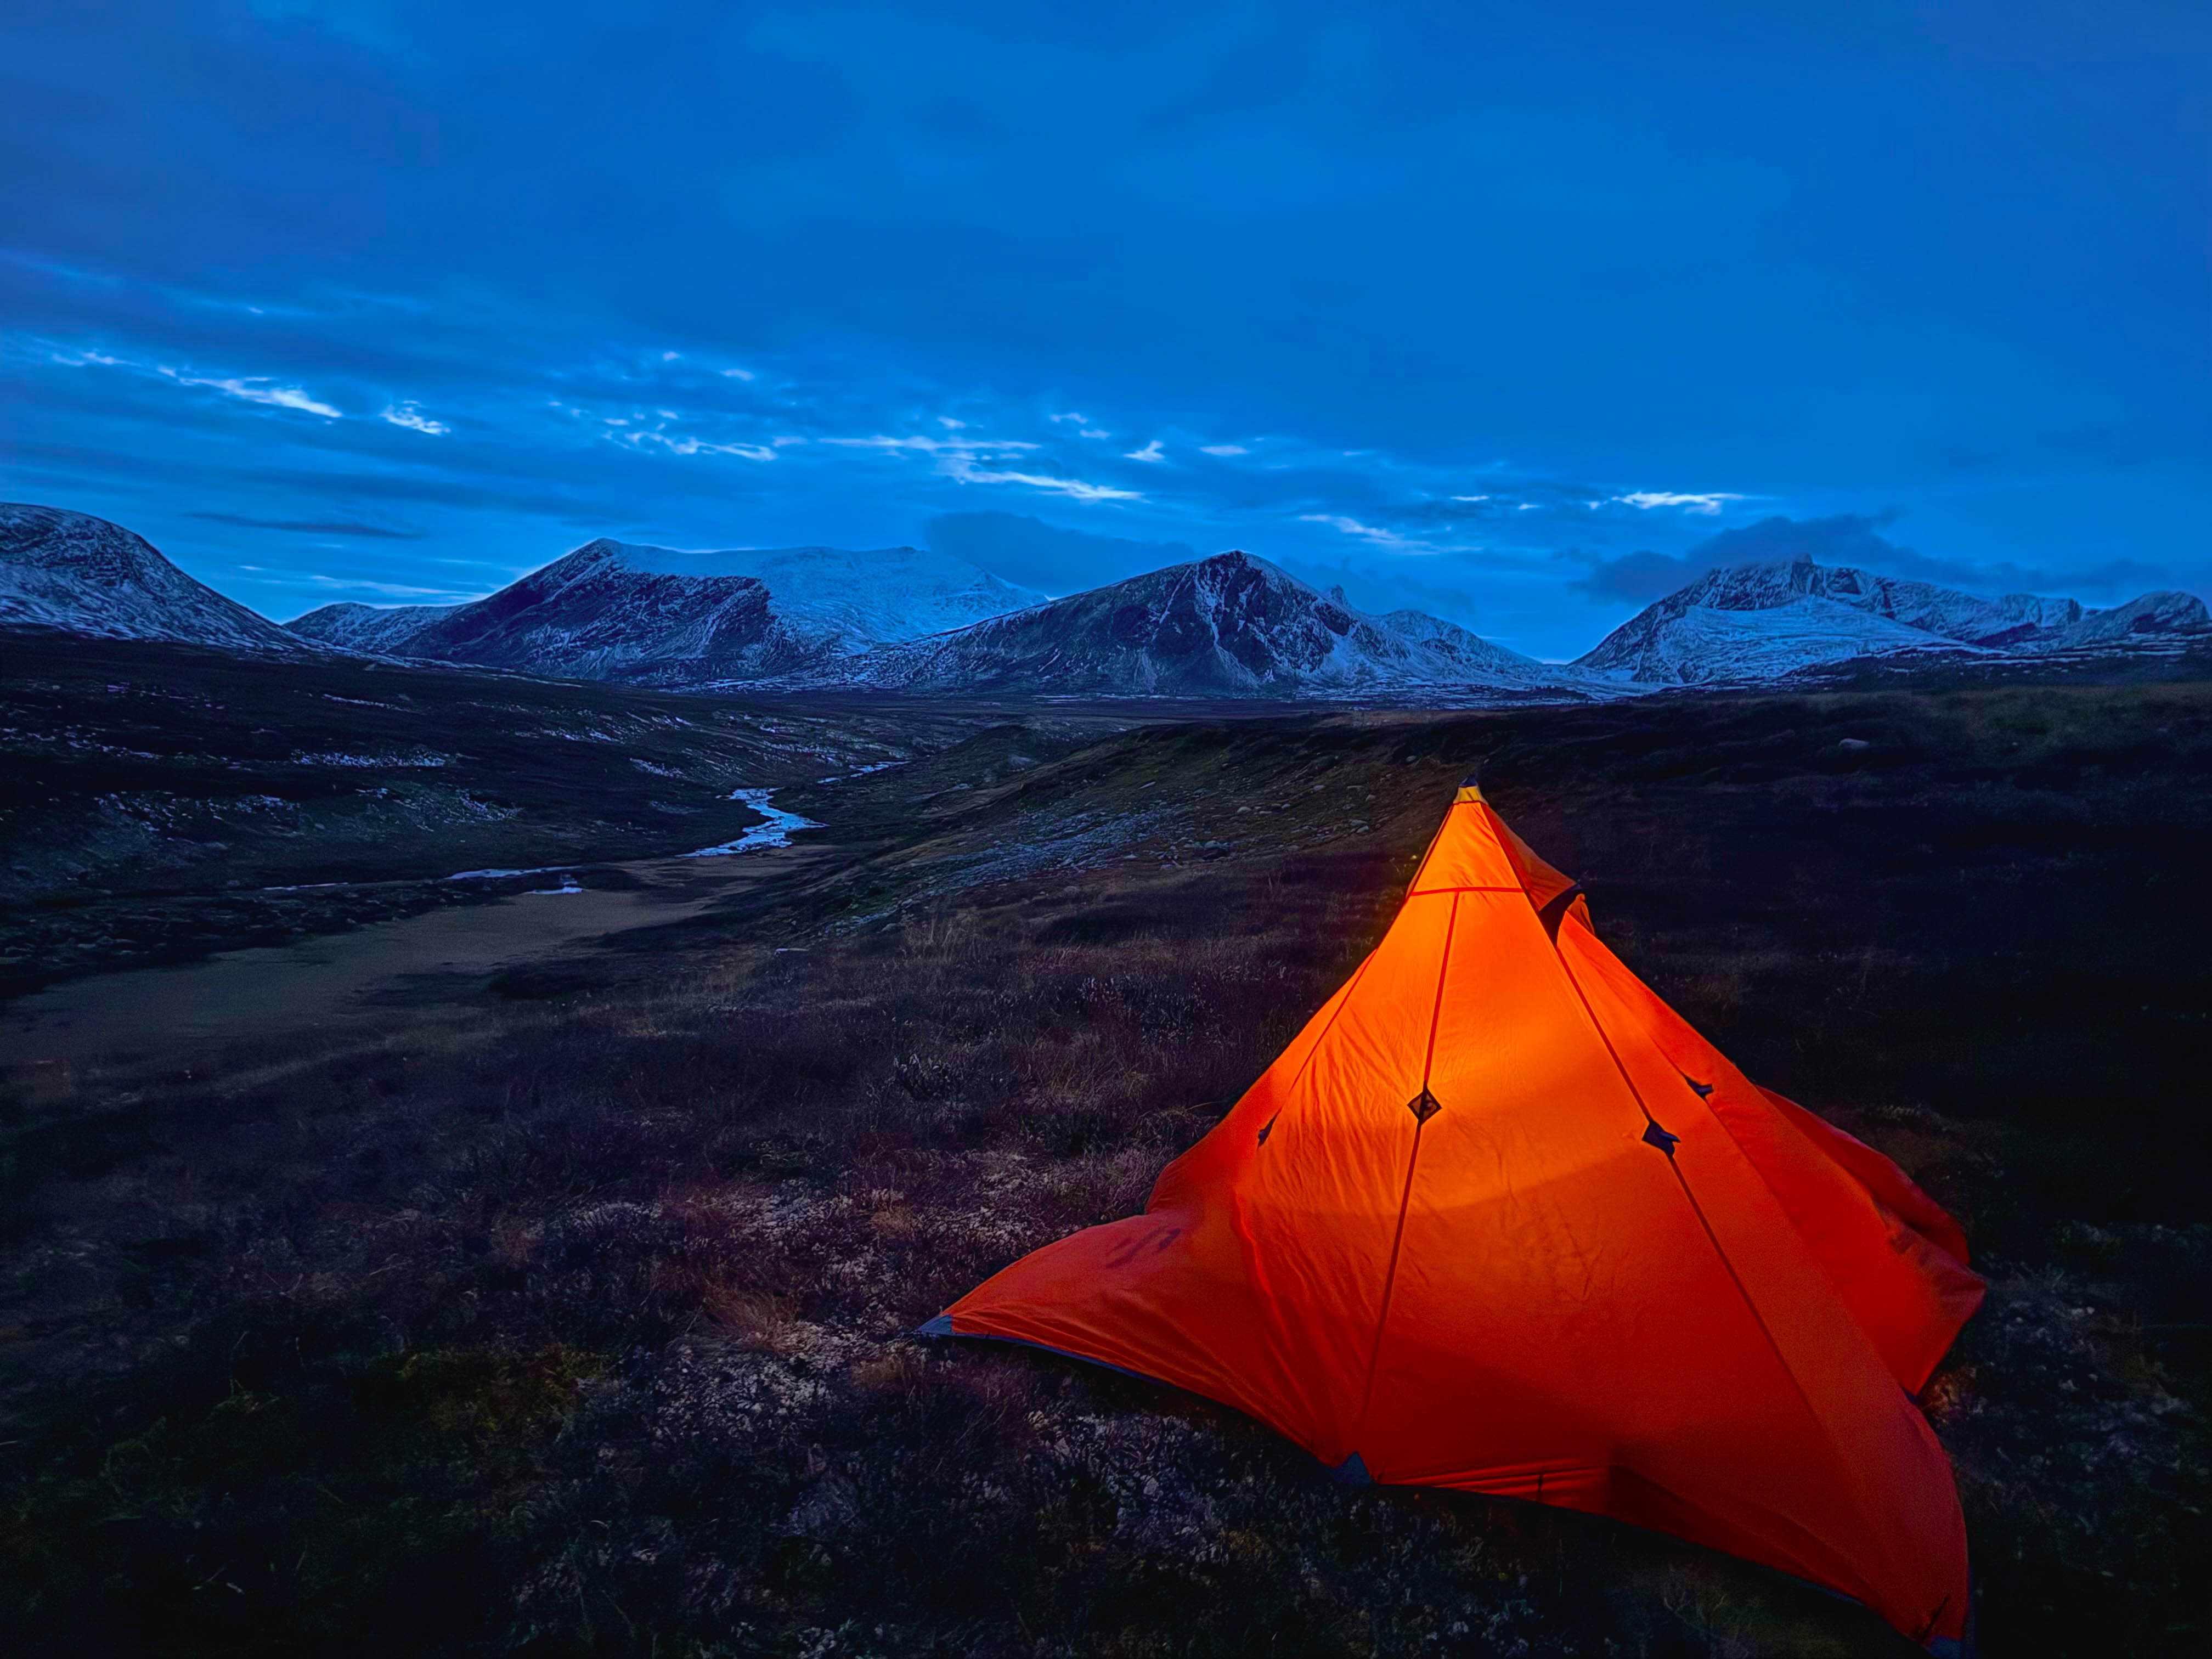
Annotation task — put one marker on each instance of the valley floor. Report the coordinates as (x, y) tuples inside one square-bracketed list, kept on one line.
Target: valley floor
[(559, 1307)]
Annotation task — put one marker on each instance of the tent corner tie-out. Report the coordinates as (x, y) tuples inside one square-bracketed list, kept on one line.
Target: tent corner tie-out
[(1433, 1246)]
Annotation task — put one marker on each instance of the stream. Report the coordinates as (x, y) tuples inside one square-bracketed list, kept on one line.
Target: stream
[(777, 832), (373, 976)]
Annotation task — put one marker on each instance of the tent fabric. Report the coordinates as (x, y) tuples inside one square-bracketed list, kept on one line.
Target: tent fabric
[(1498, 1219)]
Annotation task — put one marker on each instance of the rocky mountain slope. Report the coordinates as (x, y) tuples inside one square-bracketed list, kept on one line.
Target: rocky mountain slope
[(73, 573), (616, 611), (1760, 621), (1231, 625), (379, 629)]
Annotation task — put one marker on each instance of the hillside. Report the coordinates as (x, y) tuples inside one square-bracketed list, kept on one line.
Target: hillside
[(71, 573), (376, 630)]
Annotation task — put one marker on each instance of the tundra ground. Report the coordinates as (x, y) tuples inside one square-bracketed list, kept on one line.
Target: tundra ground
[(573, 1320)]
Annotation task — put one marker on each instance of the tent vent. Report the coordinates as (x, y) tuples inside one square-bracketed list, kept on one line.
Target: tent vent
[(1656, 1136), (1701, 1090), (1423, 1105), (1556, 912), (1267, 1128)]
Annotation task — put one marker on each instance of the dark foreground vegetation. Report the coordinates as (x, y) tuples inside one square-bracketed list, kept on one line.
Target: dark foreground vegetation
[(576, 1327)]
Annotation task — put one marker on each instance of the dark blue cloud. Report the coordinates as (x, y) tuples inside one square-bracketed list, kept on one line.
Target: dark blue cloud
[(1848, 538), (315, 526), (1418, 295)]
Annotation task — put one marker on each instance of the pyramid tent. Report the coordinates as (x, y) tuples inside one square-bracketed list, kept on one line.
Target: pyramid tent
[(1499, 1220)]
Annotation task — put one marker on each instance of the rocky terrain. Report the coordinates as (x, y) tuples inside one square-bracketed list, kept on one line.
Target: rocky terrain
[(1746, 623), (375, 630)]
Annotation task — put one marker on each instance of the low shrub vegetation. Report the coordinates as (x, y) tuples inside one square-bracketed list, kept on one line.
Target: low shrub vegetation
[(580, 1324)]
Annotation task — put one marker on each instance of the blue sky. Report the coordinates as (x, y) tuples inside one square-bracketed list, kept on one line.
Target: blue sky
[(1498, 310)]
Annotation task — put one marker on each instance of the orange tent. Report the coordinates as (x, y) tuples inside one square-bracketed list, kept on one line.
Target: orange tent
[(1499, 1220)]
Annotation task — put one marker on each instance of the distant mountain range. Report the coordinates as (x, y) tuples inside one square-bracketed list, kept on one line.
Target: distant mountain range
[(614, 610), (1231, 625), (1762, 622), (902, 619), (905, 620)]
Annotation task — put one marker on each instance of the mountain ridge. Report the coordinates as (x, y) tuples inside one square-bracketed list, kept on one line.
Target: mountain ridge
[(1230, 624), (921, 622), (68, 572), (1764, 620), (623, 610)]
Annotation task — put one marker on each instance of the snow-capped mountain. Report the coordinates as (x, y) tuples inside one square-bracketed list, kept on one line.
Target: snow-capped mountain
[(616, 611), (74, 574), (2148, 616), (1760, 621), (902, 619), (1231, 625), (379, 629)]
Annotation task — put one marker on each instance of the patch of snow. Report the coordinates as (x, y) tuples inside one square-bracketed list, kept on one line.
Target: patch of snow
[(855, 599), (862, 771), (337, 758)]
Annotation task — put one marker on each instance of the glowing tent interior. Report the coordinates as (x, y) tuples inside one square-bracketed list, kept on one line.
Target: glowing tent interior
[(1499, 1220)]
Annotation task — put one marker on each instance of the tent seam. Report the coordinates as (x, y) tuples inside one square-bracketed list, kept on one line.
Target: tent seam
[(1412, 1162), (1698, 1210)]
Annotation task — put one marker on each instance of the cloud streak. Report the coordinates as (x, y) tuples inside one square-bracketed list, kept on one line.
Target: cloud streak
[(257, 390), (408, 416), (313, 526)]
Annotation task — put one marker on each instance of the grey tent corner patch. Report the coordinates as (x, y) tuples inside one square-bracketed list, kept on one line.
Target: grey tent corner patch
[(1352, 1472), (1656, 1136), (1423, 1105)]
